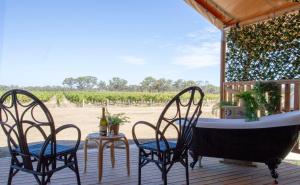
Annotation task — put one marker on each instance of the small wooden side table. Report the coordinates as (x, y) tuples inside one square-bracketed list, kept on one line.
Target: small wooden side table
[(102, 142)]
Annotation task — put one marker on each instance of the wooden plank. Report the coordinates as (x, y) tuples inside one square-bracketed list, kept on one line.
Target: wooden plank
[(225, 95), (296, 107), (241, 87), (262, 112), (287, 97), (212, 172), (296, 96), (236, 89), (248, 87), (229, 98)]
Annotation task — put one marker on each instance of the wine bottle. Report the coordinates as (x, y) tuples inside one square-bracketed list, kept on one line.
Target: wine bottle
[(103, 123)]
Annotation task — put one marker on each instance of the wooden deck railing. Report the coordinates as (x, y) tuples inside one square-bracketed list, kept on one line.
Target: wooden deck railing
[(290, 91)]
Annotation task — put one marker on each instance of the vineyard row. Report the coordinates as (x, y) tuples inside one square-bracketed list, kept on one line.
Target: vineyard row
[(79, 97)]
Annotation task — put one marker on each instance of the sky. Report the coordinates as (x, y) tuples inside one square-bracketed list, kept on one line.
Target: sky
[(44, 42)]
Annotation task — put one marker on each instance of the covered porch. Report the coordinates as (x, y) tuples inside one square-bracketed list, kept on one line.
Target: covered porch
[(244, 59), (212, 172)]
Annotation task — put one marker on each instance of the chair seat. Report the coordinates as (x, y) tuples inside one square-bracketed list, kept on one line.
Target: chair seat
[(34, 149), (152, 145)]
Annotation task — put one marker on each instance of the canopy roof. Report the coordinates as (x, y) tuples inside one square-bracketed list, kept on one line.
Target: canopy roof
[(227, 13)]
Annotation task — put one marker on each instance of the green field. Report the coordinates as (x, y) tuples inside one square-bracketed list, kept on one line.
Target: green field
[(96, 97)]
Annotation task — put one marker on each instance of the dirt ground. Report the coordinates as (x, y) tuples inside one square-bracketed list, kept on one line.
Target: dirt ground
[(86, 119)]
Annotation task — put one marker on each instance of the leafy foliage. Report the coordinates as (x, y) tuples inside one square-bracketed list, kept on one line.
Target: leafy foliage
[(59, 98), (117, 119), (256, 99), (117, 83), (104, 97), (129, 98), (82, 82), (272, 105), (44, 96), (222, 104), (251, 105), (264, 51)]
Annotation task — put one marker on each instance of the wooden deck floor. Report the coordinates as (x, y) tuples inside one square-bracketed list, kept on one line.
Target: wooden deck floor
[(212, 172)]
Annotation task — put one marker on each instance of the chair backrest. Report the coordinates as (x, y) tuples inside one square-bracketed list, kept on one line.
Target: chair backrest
[(21, 111), (181, 114)]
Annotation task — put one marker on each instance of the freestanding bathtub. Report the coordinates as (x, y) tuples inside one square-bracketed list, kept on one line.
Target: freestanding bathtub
[(268, 140)]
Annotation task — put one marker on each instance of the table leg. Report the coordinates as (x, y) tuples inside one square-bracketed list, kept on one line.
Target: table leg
[(85, 154), (127, 155), (112, 154), (100, 160)]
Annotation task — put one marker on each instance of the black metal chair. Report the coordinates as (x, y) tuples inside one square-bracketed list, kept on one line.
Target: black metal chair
[(180, 115), (18, 117)]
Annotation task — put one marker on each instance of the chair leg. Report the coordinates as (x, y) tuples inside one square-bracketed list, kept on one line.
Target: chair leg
[(11, 172), (140, 168), (37, 179), (85, 154), (49, 178), (164, 170), (50, 175), (10, 176), (187, 170), (164, 174), (44, 177), (76, 169), (43, 181)]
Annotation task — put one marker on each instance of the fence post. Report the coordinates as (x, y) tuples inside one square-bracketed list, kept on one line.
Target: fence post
[(296, 107), (296, 96), (287, 97)]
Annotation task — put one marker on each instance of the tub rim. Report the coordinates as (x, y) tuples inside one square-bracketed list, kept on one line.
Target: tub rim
[(276, 120)]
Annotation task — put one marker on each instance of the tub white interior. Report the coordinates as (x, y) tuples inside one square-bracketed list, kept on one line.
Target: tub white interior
[(277, 120)]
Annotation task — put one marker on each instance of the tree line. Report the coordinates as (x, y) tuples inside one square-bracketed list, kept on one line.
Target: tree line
[(149, 84)]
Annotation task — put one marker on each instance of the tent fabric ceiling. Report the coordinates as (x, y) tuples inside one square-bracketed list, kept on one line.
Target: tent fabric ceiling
[(227, 13)]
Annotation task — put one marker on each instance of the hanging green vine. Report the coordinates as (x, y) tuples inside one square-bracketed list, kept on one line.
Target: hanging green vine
[(263, 96), (264, 51), (268, 96), (251, 105)]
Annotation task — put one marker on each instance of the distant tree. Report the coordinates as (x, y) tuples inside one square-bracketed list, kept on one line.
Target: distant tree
[(209, 88), (101, 85), (163, 84), (134, 88), (199, 83), (86, 82), (117, 83), (189, 83), (178, 84), (4, 87), (69, 82), (148, 83)]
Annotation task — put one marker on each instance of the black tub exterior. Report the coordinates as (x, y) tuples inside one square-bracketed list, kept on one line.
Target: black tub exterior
[(266, 145)]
